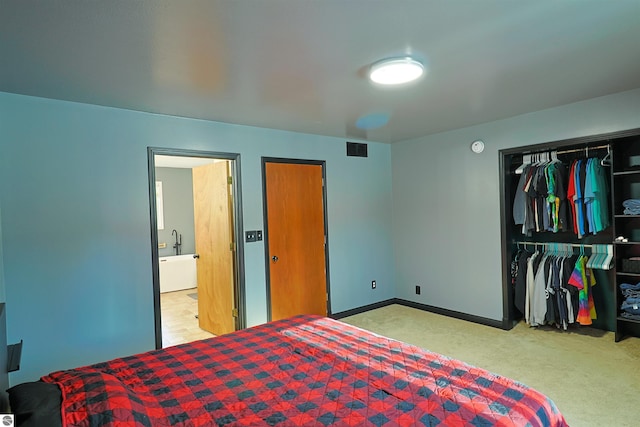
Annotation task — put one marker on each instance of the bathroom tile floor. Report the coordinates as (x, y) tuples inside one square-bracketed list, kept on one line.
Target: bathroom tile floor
[(179, 323)]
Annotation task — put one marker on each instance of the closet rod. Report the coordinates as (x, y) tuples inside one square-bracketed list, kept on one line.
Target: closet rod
[(573, 245), (583, 149)]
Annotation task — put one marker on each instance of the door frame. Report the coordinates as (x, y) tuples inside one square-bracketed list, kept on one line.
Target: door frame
[(265, 221), (239, 288)]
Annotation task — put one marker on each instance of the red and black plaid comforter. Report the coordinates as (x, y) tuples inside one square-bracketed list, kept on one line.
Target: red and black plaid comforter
[(304, 371)]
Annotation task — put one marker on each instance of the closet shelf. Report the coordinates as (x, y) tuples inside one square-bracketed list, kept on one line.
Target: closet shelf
[(624, 319), (623, 273), (627, 172), (626, 216), (626, 243)]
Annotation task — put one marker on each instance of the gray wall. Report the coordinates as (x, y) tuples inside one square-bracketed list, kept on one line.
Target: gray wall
[(4, 376), (2, 291), (446, 216), (177, 189), (76, 230)]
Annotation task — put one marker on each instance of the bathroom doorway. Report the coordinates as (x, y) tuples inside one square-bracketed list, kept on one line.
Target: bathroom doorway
[(197, 281)]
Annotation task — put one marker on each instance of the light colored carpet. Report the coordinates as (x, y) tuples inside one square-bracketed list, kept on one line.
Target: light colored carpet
[(593, 380)]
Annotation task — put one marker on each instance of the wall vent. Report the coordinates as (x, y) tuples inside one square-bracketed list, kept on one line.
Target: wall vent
[(357, 149)]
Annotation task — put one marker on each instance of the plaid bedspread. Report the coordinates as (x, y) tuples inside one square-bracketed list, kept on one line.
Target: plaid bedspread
[(303, 371)]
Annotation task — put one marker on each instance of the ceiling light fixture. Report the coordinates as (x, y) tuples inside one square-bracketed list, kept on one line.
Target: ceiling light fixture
[(396, 71)]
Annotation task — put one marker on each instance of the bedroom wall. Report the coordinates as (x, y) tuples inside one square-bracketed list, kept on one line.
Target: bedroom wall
[(76, 227), (4, 376), (3, 297), (446, 216), (177, 190)]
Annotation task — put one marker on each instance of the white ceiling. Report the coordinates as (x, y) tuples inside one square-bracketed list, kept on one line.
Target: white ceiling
[(300, 64)]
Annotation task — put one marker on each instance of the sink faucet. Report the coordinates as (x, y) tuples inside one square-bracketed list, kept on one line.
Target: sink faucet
[(178, 243)]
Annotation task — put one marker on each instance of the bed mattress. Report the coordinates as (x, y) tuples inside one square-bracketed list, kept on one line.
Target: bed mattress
[(302, 371)]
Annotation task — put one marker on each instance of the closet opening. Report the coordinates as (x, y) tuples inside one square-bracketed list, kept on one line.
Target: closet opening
[(563, 226)]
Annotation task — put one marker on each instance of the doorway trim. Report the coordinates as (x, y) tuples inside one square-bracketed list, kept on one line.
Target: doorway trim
[(239, 291), (265, 221)]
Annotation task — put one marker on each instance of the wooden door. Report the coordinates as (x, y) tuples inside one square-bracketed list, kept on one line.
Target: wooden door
[(296, 239), (213, 218)]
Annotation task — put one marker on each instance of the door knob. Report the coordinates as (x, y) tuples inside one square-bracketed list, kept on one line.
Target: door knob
[(196, 256), (274, 258)]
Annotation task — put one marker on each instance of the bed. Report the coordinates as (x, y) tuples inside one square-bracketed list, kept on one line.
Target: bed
[(302, 371)]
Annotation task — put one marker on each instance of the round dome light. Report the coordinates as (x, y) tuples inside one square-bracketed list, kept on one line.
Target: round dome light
[(396, 71)]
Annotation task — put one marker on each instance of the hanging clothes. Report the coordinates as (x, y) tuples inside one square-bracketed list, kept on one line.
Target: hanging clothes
[(578, 200), (597, 196), (519, 279), (583, 279), (537, 297), (553, 289), (545, 189), (571, 197), (590, 194), (540, 199), (532, 267), (520, 199)]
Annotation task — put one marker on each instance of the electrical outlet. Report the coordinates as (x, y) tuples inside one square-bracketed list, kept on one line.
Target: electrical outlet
[(373, 284), (250, 236), (417, 289)]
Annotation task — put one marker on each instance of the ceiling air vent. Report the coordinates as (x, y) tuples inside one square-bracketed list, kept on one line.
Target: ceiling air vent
[(356, 149)]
